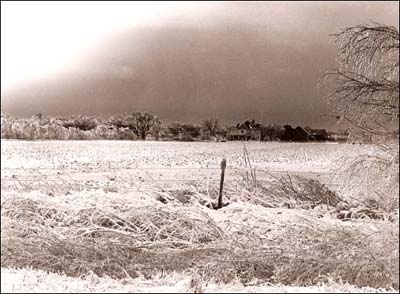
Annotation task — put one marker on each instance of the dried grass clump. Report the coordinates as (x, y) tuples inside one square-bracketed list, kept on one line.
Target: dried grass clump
[(141, 226), (288, 191), (115, 238), (151, 227), (343, 255), (26, 210), (37, 248), (291, 191), (371, 182), (245, 265), (76, 239), (307, 257)]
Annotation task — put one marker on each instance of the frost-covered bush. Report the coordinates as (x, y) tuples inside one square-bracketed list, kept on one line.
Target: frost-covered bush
[(80, 127)]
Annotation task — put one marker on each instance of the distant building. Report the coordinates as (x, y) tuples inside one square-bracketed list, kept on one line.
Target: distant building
[(248, 130), (296, 135), (318, 134)]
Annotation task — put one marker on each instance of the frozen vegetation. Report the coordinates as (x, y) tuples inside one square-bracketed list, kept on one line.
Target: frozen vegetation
[(123, 216)]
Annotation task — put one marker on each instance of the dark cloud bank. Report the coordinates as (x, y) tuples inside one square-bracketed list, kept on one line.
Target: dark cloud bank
[(233, 64)]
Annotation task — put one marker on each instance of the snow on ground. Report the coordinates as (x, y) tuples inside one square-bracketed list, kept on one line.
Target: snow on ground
[(34, 281), (107, 155), (113, 172), (96, 163)]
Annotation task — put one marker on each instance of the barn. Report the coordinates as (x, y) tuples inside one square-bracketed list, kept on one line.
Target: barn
[(296, 135)]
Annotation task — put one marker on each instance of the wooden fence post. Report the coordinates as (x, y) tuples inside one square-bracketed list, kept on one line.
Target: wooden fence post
[(221, 183)]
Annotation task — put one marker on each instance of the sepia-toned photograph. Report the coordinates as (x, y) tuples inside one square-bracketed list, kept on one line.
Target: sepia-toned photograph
[(200, 146)]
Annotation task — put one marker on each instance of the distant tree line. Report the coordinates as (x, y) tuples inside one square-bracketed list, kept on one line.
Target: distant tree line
[(133, 126)]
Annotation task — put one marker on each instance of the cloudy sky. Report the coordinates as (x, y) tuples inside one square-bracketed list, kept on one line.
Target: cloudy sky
[(182, 61)]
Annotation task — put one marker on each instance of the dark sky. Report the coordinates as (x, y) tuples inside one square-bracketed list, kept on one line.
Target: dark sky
[(230, 60)]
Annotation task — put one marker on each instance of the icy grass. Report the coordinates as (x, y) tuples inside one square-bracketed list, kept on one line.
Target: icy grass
[(372, 180), (113, 235), (284, 231)]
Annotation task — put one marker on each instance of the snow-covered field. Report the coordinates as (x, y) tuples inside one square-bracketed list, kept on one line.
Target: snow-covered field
[(60, 192), (110, 155), (95, 162)]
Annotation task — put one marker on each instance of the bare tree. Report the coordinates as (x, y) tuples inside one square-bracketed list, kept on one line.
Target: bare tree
[(365, 86), (365, 89), (143, 124), (210, 127)]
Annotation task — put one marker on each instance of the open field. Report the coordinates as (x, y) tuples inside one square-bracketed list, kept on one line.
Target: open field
[(138, 162), (108, 155), (133, 211)]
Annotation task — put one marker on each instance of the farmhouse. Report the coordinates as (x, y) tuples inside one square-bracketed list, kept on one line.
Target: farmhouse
[(248, 130)]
